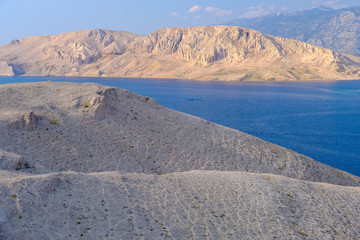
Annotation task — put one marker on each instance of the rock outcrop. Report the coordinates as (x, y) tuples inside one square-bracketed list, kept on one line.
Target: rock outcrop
[(5, 69), (26, 121), (203, 53)]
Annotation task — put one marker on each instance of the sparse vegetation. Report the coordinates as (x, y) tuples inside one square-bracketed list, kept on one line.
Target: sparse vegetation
[(303, 234), (54, 121)]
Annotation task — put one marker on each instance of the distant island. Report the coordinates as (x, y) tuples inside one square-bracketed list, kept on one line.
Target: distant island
[(224, 53)]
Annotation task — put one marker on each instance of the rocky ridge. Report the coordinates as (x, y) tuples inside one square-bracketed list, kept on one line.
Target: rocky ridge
[(337, 29), (203, 53), (85, 160)]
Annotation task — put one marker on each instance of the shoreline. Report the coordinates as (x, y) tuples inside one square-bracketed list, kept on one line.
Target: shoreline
[(185, 79)]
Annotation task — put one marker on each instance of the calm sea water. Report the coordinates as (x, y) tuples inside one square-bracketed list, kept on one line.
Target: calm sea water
[(318, 119)]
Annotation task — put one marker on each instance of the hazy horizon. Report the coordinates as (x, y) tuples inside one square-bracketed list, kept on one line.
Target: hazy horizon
[(39, 17)]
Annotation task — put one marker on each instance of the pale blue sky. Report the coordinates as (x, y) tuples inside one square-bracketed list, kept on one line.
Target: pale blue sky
[(22, 18)]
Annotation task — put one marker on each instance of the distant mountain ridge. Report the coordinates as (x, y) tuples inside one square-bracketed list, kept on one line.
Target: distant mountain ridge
[(337, 29), (202, 53)]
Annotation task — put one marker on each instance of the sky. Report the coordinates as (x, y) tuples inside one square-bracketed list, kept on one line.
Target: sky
[(23, 18)]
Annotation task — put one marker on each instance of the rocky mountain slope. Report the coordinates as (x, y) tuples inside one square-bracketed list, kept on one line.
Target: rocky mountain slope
[(203, 53), (85, 160), (337, 29)]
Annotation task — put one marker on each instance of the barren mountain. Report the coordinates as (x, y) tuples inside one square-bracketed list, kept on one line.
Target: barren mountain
[(337, 29), (85, 160), (203, 53)]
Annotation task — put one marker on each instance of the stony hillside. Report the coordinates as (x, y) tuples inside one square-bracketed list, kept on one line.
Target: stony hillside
[(337, 29), (203, 53), (190, 205), (90, 128), (63, 53), (85, 160)]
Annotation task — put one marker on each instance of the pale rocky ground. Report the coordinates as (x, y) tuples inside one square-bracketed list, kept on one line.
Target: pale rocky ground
[(202, 53), (94, 162)]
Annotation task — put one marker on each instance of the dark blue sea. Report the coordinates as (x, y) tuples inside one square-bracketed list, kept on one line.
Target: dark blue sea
[(318, 119)]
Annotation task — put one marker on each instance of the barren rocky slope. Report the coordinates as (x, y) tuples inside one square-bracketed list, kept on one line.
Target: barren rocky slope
[(204, 53), (337, 29), (104, 163), (191, 205)]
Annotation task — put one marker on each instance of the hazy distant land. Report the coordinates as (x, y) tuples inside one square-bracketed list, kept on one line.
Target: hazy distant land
[(201, 53), (85, 160), (337, 29)]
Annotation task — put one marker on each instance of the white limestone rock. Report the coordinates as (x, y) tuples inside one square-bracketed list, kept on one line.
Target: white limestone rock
[(5, 69)]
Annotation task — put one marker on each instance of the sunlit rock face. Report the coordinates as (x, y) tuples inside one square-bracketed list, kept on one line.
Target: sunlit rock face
[(202, 53), (5, 69)]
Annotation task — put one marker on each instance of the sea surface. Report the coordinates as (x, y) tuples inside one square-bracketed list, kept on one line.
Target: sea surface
[(318, 119)]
